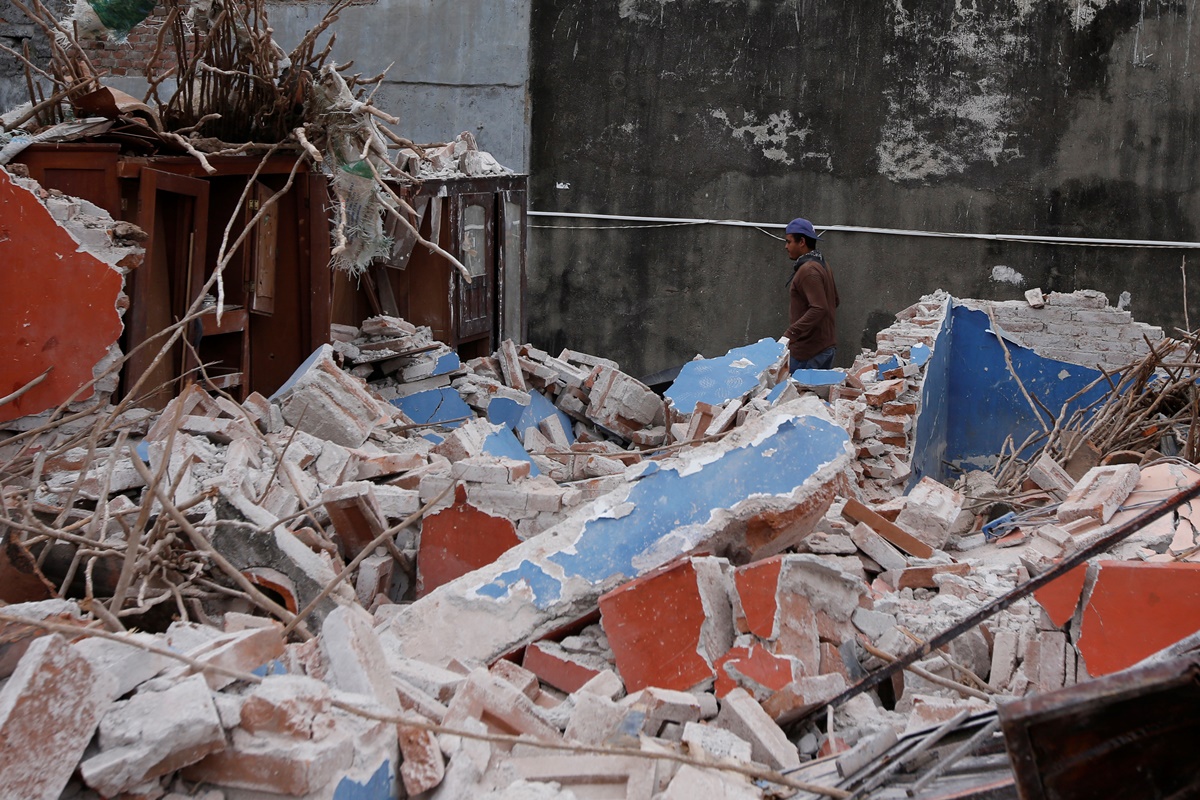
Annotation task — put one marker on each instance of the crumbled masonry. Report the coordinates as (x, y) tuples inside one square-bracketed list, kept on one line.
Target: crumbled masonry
[(609, 592)]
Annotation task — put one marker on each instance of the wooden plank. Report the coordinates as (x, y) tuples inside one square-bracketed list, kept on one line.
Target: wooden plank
[(922, 577), (265, 253), (857, 512)]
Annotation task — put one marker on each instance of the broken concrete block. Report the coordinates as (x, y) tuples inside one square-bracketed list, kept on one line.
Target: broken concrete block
[(241, 651), (509, 366), (1048, 475), (287, 705), (355, 658), (423, 767), (586, 775), (668, 627), (558, 667), (691, 782), (321, 399), (49, 709), (1100, 492), (500, 706), (623, 404), (711, 743), (606, 684), (438, 683), (597, 720), (356, 515), (797, 698), (128, 663), (933, 512), (878, 548), (741, 715), (278, 764), (138, 742), (664, 707)]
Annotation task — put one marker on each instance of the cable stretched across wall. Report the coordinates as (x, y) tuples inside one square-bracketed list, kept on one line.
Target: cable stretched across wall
[(648, 222)]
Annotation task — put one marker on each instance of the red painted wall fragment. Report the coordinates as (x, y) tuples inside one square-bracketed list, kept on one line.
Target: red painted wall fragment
[(458, 540), (1135, 610), (57, 306)]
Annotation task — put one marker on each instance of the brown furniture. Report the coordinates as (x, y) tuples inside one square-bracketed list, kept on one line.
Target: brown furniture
[(280, 295)]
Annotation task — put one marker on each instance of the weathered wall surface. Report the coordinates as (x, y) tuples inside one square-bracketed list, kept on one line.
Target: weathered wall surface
[(456, 66), (1045, 117)]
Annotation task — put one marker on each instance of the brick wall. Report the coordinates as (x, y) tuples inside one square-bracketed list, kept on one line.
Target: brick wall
[(1078, 328), (129, 58)]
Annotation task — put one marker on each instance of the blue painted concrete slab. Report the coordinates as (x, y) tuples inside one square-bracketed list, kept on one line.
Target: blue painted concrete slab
[(539, 409), (446, 364), (919, 354), (819, 377), (505, 411), (717, 380), (434, 405), (666, 500), (971, 403), (503, 443)]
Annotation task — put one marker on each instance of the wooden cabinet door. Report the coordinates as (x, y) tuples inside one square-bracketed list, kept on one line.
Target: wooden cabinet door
[(475, 236)]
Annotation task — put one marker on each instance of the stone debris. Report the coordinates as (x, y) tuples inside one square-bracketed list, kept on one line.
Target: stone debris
[(405, 575)]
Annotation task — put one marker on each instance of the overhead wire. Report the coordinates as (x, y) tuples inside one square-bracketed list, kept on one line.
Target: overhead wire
[(647, 222)]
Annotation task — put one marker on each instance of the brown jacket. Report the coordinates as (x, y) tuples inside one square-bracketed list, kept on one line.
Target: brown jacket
[(811, 313)]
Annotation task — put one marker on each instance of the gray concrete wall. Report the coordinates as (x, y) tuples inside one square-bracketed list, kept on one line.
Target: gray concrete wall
[(460, 66), (1045, 117)]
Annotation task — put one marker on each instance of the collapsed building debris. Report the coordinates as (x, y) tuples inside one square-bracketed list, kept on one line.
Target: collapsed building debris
[(406, 573)]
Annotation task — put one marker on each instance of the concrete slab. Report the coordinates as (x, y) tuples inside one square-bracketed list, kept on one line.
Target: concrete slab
[(435, 405), (717, 380), (748, 496)]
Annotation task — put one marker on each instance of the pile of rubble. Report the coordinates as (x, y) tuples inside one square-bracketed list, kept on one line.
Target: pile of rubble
[(532, 576)]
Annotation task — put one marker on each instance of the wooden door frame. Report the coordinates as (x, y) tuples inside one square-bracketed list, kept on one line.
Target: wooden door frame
[(137, 321)]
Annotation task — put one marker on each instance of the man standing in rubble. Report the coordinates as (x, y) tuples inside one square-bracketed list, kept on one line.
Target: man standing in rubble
[(811, 335)]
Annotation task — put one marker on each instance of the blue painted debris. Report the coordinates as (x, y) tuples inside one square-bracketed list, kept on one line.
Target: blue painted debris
[(919, 354), (718, 380), (380, 786), (539, 409), (503, 443), (518, 416), (667, 499), (505, 411), (446, 364), (435, 405), (275, 667), (886, 366)]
